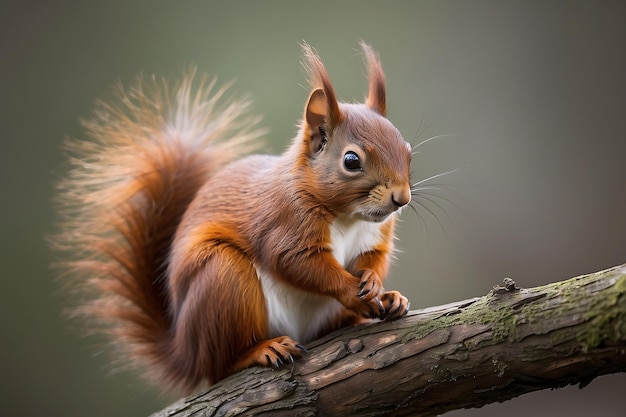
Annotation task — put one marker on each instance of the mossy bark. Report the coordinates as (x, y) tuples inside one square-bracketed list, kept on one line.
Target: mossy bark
[(465, 354)]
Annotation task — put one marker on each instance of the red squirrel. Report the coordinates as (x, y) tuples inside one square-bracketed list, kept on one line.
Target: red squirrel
[(202, 261)]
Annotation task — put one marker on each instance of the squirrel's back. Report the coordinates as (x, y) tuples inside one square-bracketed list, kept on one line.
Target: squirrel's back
[(129, 186)]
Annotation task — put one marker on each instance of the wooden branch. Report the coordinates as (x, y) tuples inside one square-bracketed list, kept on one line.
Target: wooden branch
[(466, 354)]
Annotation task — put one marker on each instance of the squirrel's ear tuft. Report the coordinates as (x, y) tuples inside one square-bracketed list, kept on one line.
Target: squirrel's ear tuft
[(319, 80), (376, 97)]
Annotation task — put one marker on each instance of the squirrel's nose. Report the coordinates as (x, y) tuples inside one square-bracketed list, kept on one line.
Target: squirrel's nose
[(401, 195)]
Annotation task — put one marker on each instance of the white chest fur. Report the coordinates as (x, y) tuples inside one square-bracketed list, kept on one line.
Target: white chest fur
[(349, 238), (301, 315)]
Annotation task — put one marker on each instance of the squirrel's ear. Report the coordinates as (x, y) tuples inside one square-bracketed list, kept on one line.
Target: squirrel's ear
[(316, 114), (376, 99), (323, 90)]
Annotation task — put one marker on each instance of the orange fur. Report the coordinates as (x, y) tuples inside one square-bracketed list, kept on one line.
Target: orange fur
[(203, 261)]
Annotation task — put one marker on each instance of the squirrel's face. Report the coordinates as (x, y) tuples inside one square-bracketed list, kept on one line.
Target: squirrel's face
[(359, 160), (363, 166)]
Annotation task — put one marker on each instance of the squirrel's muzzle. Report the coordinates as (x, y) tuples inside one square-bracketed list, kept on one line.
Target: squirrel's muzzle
[(400, 195)]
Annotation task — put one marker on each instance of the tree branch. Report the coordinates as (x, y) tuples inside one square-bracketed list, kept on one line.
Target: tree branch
[(465, 354)]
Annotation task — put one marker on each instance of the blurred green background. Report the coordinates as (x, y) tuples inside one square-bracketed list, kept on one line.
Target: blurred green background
[(534, 92)]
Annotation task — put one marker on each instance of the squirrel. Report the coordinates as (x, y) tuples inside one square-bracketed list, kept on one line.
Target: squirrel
[(203, 258)]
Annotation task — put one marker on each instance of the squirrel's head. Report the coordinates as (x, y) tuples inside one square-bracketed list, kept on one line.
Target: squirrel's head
[(358, 162)]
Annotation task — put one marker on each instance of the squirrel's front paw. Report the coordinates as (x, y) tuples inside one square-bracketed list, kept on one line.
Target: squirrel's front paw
[(396, 305), (371, 286), (369, 295)]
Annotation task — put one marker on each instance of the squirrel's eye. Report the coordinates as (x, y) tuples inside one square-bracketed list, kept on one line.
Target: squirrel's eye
[(351, 161)]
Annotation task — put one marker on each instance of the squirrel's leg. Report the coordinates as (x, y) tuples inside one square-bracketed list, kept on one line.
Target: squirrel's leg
[(222, 324), (372, 267), (222, 314)]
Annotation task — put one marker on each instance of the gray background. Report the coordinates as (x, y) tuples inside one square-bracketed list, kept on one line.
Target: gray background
[(534, 92)]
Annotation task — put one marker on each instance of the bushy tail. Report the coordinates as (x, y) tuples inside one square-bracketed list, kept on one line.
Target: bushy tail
[(128, 187)]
